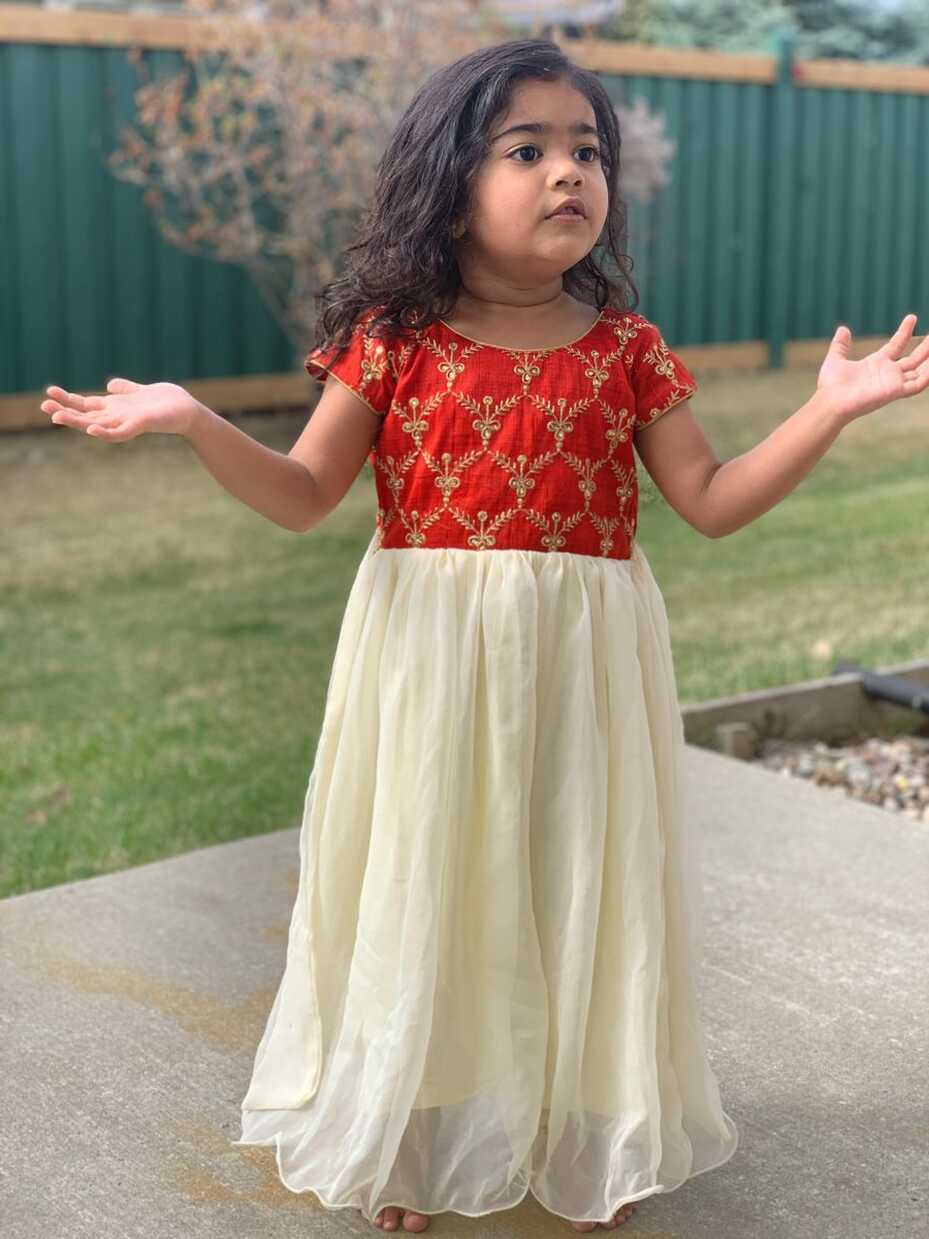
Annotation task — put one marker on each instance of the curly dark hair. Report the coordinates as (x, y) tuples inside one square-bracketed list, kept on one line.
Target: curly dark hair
[(403, 264)]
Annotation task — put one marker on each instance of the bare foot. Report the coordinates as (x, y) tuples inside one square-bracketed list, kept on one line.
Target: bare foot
[(622, 1214), (389, 1218)]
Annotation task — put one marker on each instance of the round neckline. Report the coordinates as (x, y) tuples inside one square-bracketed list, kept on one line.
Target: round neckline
[(552, 348)]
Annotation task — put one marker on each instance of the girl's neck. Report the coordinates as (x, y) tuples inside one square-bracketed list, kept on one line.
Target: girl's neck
[(543, 324), (486, 296), (522, 302)]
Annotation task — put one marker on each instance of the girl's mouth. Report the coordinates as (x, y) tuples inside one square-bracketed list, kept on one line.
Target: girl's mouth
[(569, 208)]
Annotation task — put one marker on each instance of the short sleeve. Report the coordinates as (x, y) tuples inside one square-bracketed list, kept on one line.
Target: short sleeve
[(366, 367), (658, 377)]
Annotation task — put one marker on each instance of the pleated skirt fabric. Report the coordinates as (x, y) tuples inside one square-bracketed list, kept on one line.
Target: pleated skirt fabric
[(490, 981)]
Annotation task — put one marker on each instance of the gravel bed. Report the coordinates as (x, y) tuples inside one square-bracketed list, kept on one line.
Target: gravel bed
[(893, 774)]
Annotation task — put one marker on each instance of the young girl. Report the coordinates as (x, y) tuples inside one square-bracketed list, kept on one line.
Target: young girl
[(490, 976)]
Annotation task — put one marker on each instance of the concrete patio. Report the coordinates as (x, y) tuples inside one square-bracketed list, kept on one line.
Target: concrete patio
[(133, 1003)]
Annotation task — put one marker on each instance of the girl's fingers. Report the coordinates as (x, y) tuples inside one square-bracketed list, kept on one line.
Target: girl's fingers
[(60, 416), (117, 433), (918, 355), (55, 406), (100, 417), (97, 431), (73, 400), (915, 381), (112, 427), (897, 342), (67, 417), (81, 421), (91, 426)]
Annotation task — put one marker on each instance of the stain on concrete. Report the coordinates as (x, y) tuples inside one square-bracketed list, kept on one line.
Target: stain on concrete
[(229, 1026), (208, 1185), (274, 933), (280, 930)]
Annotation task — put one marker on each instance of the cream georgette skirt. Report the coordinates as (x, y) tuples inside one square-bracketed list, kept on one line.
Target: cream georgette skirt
[(489, 986)]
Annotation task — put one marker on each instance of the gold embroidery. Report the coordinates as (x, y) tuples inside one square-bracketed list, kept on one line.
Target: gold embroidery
[(554, 536), (519, 481), (483, 538), (585, 469), (446, 481), (562, 422), (453, 428), (377, 359), (626, 488), (625, 330), (527, 370), (416, 527), (662, 363), (596, 373), (604, 526), (416, 423), (675, 397), (618, 430), (450, 365), (488, 422), (374, 361), (658, 356)]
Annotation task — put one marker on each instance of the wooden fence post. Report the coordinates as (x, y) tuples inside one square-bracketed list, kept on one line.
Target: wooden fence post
[(780, 204)]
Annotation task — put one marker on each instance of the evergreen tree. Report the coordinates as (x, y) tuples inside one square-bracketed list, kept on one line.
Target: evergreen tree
[(858, 30), (850, 29), (723, 25)]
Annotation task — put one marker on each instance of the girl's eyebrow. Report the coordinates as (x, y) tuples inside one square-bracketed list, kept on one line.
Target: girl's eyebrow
[(537, 127)]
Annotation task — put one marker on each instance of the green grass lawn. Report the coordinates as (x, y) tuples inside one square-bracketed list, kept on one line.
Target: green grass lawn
[(166, 650)]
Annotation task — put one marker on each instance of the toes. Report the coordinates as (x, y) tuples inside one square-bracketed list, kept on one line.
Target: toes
[(389, 1217), (622, 1214)]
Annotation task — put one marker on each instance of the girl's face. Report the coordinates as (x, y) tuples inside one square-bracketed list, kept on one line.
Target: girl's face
[(543, 150)]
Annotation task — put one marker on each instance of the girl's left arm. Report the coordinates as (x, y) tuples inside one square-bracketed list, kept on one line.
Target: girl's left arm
[(719, 498)]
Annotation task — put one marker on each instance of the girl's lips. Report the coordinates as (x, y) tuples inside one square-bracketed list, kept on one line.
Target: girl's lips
[(572, 215)]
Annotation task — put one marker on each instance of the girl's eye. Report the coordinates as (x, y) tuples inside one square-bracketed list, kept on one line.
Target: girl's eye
[(596, 153)]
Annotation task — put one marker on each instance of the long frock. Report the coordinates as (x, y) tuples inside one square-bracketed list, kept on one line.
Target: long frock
[(490, 981)]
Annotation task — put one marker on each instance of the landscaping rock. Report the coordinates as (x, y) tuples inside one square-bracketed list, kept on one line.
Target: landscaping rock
[(892, 774)]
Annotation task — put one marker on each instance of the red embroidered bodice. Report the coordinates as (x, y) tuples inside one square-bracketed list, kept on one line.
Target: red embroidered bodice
[(483, 447)]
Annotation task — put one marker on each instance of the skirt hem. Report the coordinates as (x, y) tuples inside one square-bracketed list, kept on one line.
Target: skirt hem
[(655, 1190)]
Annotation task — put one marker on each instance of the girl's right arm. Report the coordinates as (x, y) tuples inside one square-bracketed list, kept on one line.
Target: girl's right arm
[(295, 491)]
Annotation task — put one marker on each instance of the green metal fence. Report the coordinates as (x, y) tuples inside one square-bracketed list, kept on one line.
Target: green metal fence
[(790, 209), (88, 288)]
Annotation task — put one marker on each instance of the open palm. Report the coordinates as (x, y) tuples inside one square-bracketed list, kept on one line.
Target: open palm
[(859, 387), (129, 409)]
